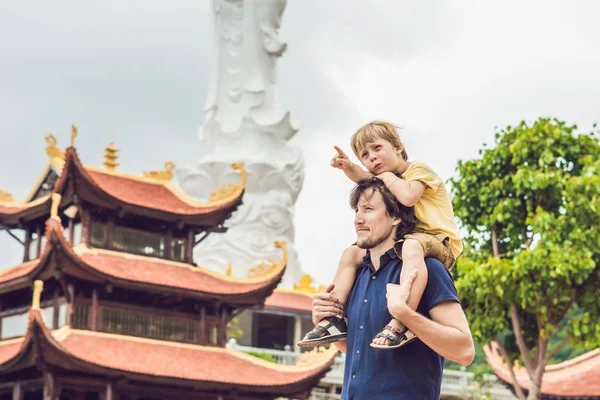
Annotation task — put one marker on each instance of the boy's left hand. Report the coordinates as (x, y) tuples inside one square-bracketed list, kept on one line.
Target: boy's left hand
[(397, 295), (387, 178)]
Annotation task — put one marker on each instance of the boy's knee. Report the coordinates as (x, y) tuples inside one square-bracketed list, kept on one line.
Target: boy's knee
[(412, 248), (354, 254)]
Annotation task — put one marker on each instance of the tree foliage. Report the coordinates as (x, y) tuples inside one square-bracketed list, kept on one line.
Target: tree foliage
[(530, 206)]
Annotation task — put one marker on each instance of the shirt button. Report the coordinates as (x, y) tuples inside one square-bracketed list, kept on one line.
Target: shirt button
[(357, 351), (373, 277), (353, 376), (361, 327), (366, 300)]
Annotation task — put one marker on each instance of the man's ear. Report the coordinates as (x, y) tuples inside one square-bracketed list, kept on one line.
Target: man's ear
[(396, 222)]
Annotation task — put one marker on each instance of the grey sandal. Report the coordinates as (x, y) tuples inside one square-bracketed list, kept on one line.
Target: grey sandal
[(333, 331), (394, 337)]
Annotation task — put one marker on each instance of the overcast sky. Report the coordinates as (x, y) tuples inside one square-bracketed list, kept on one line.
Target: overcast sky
[(136, 72)]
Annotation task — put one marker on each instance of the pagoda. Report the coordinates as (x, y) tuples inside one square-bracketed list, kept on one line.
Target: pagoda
[(108, 303), (575, 379)]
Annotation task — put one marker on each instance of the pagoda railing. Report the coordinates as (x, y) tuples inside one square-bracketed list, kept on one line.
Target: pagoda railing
[(154, 324), (461, 384)]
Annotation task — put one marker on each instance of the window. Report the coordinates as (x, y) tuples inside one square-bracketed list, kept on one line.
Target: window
[(62, 315), (178, 249), (14, 326), (139, 242), (33, 246), (98, 234), (77, 233)]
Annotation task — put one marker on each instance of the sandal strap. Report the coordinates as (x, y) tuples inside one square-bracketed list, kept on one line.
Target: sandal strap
[(324, 330), (391, 337)]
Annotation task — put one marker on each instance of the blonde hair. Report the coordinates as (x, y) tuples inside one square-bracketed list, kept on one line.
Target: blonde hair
[(376, 130)]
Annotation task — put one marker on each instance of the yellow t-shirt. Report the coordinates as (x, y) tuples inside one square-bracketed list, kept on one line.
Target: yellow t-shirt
[(434, 210)]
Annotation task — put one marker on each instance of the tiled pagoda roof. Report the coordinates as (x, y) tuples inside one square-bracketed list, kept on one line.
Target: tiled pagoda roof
[(134, 271), (286, 300), (134, 194), (145, 360), (578, 378)]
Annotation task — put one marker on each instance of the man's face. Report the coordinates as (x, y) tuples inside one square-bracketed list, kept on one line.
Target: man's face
[(380, 156), (372, 223)]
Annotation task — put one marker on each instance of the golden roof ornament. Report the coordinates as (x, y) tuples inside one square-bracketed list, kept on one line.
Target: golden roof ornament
[(165, 175), (228, 270), (306, 285), (266, 268), (74, 131), (230, 189), (111, 156), (57, 156), (6, 197), (38, 286)]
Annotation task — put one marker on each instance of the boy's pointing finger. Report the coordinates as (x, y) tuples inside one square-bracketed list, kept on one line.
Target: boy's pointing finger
[(340, 152)]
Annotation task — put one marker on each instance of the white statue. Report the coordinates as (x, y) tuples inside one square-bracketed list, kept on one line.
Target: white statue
[(242, 101), (244, 121)]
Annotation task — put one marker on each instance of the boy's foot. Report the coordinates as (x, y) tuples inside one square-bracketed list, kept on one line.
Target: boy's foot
[(394, 338), (330, 330)]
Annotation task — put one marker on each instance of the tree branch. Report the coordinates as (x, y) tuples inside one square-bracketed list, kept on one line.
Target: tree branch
[(511, 370), (495, 249), (529, 241), (565, 311), (520, 340), (557, 348)]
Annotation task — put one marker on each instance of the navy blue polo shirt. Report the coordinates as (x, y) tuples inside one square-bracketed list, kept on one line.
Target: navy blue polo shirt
[(410, 372)]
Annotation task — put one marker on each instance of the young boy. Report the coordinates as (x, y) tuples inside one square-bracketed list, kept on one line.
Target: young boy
[(378, 146)]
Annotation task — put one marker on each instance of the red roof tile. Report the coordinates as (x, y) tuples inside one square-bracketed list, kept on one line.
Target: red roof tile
[(151, 357), (156, 358), (282, 300), (124, 268), (9, 349), (579, 377), (18, 271), (146, 194), (164, 273)]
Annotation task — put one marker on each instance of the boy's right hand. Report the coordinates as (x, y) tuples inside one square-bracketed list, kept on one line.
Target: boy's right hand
[(340, 160)]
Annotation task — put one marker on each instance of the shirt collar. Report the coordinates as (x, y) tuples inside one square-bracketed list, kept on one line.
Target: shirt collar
[(383, 260)]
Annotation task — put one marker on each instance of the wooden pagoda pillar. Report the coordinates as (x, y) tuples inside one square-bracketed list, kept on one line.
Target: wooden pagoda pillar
[(27, 245), (202, 324)]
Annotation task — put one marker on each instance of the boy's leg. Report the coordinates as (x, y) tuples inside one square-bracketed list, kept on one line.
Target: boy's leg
[(345, 275), (332, 329), (413, 257)]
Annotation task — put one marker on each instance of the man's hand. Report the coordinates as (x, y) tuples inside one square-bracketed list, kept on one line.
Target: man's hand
[(325, 305), (397, 295)]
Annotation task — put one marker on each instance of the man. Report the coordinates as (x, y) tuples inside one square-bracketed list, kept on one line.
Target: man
[(415, 370)]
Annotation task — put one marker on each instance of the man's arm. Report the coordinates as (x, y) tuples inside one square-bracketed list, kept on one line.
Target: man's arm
[(447, 332), (407, 193)]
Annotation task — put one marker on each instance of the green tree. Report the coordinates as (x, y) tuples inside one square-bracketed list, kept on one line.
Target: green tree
[(530, 206)]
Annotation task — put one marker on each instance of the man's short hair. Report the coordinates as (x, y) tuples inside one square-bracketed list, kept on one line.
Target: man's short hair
[(393, 207), (376, 130)]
